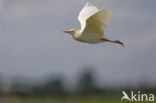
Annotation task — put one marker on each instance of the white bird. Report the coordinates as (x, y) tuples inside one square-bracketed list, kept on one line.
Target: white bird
[(93, 23)]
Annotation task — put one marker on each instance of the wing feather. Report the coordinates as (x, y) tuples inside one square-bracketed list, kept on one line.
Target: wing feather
[(98, 22), (87, 11)]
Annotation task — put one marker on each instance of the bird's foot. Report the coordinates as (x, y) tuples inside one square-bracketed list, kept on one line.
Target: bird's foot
[(118, 42)]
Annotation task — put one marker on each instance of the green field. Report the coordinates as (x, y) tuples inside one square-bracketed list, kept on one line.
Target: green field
[(67, 100)]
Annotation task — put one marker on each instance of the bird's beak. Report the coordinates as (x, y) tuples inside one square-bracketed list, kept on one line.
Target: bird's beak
[(67, 31)]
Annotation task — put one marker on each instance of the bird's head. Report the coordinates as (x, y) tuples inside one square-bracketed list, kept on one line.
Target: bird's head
[(72, 31)]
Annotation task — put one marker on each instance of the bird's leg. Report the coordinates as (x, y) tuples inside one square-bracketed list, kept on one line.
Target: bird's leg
[(118, 42), (112, 41)]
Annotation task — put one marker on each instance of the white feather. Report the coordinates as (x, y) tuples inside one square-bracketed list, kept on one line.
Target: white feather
[(93, 21), (87, 11)]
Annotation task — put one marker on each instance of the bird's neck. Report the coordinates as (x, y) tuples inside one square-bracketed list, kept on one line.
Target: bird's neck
[(76, 35)]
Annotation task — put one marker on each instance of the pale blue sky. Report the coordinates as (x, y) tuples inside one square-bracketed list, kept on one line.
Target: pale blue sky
[(32, 43)]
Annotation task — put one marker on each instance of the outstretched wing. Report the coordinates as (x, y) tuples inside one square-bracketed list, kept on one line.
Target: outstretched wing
[(98, 22), (87, 11)]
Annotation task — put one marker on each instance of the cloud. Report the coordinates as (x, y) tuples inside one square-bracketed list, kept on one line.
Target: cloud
[(144, 41), (37, 44), (18, 11), (132, 14), (1, 5), (32, 10)]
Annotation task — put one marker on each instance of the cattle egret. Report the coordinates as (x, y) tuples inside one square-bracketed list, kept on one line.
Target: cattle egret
[(93, 23)]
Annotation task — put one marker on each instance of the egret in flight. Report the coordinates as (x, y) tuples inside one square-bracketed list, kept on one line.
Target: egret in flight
[(93, 23)]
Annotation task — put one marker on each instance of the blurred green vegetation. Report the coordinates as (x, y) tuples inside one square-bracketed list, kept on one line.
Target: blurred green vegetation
[(68, 100), (54, 91)]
